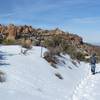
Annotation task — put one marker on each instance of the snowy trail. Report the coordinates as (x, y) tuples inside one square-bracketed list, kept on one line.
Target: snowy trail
[(88, 88)]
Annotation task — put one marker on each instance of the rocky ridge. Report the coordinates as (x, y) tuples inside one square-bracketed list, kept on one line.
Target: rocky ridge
[(13, 32)]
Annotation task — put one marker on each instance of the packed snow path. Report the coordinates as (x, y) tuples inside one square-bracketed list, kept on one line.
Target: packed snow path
[(88, 88)]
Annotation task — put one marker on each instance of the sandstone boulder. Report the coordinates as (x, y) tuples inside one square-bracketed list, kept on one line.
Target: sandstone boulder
[(11, 32)]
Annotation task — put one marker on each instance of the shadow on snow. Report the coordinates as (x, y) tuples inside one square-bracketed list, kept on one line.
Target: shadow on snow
[(97, 72), (3, 58)]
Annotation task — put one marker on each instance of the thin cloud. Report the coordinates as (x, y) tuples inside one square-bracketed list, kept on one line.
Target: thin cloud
[(88, 20), (6, 15)]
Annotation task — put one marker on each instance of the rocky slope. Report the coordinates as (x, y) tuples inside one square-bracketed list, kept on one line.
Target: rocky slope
[(13, 32)]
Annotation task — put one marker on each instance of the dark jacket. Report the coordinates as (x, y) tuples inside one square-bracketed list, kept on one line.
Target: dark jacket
[(93, 60)]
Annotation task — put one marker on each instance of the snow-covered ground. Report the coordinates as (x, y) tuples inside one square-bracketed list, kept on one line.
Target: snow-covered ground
[(30, 77), (88, 88)]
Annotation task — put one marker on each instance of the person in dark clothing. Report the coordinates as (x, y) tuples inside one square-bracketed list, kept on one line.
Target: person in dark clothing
[(93, 63)]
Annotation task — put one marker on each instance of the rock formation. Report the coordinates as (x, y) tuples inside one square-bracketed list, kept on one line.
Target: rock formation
[(13, 32)]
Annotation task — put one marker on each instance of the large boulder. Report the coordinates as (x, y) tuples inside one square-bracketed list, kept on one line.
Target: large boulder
[(11, 32)]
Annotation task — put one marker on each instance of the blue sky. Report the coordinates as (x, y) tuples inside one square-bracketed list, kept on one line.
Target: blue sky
[(78, 16)]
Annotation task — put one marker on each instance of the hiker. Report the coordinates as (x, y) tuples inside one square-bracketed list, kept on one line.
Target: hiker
[(93, 63)]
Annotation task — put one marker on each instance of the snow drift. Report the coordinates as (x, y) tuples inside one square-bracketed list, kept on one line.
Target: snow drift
[(30, 77)]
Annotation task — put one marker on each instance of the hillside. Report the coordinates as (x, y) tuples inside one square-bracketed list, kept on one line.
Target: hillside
[(32, 77)]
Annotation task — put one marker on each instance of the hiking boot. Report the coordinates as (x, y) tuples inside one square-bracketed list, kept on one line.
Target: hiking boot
[(93, 73)]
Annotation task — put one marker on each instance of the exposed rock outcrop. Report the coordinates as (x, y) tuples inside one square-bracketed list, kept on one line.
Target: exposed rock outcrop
[(13, 32)]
